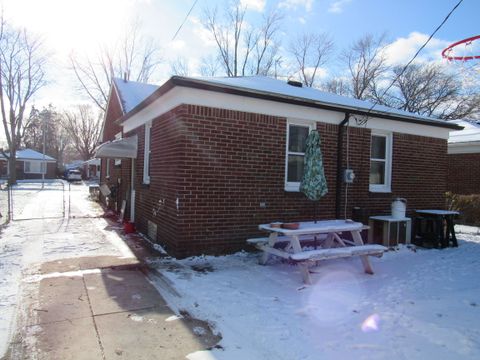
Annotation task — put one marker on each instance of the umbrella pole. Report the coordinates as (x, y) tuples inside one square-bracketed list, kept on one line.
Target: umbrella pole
[(315, 221)]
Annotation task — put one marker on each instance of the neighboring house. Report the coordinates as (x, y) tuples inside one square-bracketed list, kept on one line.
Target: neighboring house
[(30, 164), (205, 161), (91, 169), (464, 158)]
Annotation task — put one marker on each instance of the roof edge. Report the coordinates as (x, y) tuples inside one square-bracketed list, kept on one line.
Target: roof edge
[(204, 85)]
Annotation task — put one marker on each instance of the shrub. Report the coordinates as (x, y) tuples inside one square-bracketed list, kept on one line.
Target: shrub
[(467, 205)]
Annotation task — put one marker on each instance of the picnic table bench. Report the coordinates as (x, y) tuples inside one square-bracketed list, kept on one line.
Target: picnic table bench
[(287, 244)]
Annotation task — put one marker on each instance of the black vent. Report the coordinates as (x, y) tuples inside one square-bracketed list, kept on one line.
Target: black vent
[(294, 83)]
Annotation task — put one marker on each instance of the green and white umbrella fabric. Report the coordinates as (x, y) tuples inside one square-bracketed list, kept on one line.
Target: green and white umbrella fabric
[(314, 183)]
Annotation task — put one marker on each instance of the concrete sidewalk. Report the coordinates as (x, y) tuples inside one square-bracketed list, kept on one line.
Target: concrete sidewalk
[(102, 308)]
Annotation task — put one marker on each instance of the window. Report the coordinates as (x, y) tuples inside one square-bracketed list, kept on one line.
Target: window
[(147, 153), (118, 162), (34, 167), (380, 162), (107, 170), (297, 133)]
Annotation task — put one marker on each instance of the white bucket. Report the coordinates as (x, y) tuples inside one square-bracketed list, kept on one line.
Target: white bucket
[(399, 208)]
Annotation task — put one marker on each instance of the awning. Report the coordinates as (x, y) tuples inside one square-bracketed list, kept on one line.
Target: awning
[(117, 149)]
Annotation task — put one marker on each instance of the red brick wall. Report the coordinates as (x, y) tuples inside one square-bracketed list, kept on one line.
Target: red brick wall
[(418, 173), (157, 201), (110, 129), (222, 164), (464, 173), (114, 112)]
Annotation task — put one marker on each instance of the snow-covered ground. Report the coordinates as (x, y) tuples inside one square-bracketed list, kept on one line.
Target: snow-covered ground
[(42, 233), (422, 304)]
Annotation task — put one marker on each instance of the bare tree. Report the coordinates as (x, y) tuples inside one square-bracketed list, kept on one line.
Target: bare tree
[(366, 62), (311, 52), (133, 57), (48, 121), (209, 66), (337, 86), (428, 89), (22, 74), (244, 50), (179, 67), (83, 127), (266, 58)]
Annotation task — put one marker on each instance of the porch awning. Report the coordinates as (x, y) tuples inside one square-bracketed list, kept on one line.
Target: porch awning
[(117, 149)]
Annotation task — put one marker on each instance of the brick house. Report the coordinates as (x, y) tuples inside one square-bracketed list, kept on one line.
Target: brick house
[(91, 169), (204, 161), (30, 164), (464, 158)]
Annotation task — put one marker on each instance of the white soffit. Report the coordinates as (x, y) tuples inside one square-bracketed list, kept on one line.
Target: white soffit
[(464, 148), (183, 95)]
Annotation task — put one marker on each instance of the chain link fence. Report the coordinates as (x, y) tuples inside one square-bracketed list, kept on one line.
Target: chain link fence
[(29, 200)]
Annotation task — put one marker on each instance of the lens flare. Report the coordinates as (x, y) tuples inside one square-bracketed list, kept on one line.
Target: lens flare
[(371, 323), (335, 294)]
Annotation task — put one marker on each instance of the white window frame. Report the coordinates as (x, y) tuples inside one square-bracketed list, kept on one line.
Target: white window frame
[(118, 162), (294, 186), (147, 153), (387, 186), (41, 169), (107, 171)]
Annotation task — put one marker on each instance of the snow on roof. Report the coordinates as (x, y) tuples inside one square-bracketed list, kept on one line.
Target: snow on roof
[(470, 133), (132, 93), (92, 162), (29, 154), (265, 84)]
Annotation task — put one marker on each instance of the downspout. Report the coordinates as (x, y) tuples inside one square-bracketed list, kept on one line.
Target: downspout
[(338, 185)]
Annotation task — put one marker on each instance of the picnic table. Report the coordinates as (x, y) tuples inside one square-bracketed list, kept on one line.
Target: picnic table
[(287, 243)]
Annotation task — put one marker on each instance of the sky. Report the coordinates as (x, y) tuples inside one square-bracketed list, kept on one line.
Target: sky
[(81, 26)]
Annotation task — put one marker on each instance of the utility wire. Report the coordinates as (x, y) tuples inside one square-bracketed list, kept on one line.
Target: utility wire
[(416, 54), (184, 20)]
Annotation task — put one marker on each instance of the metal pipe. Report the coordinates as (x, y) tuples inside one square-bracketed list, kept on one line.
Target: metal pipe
[(338, 185)]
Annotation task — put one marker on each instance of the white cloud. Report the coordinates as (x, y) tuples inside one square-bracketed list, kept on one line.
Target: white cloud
[(199, 31), (320, 74), (256, 5), (177, 45), (402, 50), (294, 4), (302, 20), (337, 6)]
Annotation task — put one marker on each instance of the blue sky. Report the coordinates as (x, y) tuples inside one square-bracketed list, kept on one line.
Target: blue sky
[(80, 25)]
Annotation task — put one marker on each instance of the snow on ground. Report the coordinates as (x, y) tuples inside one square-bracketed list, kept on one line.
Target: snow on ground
[(42, 233), (422, 304)]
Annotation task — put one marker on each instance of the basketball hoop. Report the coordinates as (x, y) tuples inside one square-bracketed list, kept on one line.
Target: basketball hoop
[(450, 54), (467, 53)]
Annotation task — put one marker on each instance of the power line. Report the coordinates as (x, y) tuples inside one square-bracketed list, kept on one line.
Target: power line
[(184, 20), (416, 54)]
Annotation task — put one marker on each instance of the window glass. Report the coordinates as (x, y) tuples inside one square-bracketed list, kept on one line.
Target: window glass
[(27, 166), (377, 172), (295, 168), (297, 138), (380, 163), (379, 145)]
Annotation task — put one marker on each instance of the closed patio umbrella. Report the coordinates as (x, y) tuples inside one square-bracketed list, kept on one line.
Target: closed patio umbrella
[(314, 183)]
